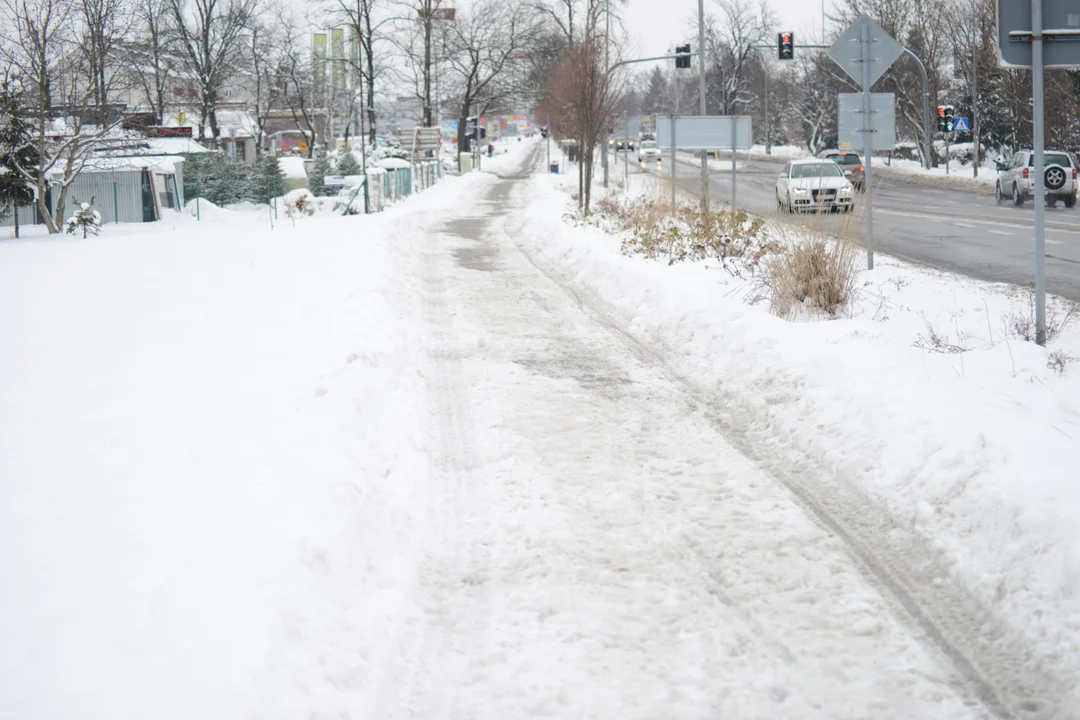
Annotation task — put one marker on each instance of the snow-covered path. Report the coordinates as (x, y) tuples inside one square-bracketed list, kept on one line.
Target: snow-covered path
[(599, 550)]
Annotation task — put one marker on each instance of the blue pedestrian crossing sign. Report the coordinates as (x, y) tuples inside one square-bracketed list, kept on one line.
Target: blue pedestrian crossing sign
[(962, 125)]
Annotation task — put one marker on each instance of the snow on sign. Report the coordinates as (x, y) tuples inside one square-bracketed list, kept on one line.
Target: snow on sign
[(1060, 27)]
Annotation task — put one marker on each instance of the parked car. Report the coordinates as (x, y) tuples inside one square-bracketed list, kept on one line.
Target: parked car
[(851, 164), (814, 184), (1016, 178), (648, 151)]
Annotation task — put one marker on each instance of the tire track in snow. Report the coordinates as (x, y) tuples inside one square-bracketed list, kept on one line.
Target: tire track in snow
[(997, 667)]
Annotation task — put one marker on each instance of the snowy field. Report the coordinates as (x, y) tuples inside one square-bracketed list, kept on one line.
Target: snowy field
[(462, 459), (212, 464)]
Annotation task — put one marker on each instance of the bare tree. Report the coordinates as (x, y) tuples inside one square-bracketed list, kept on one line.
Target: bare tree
[(731, 55), (104, 25), (152, 55), (416, 37), (368, 31), (480, 47), (59, 93), (211, 34), (263, 63), (584, 93), (296, 75)]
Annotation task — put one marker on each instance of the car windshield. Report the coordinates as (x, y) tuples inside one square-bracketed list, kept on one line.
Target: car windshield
[(811, 170), (846, 159), (648, 144), (1052, 158)]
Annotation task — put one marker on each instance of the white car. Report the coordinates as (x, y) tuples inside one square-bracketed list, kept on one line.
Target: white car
[(814, 185), (648, 151)]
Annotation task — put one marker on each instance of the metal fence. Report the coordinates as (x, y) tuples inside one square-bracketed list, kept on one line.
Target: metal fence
[(387, 186)]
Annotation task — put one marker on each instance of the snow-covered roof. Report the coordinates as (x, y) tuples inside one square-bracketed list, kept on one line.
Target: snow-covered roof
[(292, 167), (157, 163), (174, 146)]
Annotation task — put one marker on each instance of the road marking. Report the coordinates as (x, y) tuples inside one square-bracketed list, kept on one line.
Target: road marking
[(907, 214), (1000, 232), (964, 225)]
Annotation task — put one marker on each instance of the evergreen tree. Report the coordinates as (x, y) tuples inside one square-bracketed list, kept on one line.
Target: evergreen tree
[(267, 180), (216, 179), (319, 170), (347, 164), (17, 150), (85, 219)]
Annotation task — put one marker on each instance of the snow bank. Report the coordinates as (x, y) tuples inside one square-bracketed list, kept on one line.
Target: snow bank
[(975, 452), (212, 465), (206, 210)]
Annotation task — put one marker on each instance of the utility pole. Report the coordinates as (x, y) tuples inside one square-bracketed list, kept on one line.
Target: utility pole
[(701, 91), (976, 159), (607, 84)]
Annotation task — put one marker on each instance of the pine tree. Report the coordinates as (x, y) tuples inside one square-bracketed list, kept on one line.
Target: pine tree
[(17, 151), (317, 175), (347, 164), (267, 181), (86, 219)]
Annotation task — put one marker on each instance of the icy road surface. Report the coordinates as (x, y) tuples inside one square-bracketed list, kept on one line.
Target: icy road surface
[(600, 551)]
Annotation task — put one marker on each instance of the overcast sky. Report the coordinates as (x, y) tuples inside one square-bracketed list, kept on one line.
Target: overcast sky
[(656, 25)]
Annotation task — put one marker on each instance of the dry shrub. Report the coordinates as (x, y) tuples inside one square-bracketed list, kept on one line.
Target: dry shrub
[(814, 273), (1057, 361), (1058, 318)]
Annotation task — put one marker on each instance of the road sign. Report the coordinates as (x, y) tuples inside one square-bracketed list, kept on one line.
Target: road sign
[(1060, 25), (705, 132), (962, 125), (848, 53), (881, 126)]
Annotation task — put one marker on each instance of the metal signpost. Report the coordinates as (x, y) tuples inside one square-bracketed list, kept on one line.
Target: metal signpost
[(1023, 28), (865, 51), (705, 132), (851, 126)]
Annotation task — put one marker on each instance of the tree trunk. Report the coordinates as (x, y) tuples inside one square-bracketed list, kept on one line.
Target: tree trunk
[(15, 215)]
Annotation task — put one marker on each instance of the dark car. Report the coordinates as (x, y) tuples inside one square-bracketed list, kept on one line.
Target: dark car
[(624, 145), (851, 164)]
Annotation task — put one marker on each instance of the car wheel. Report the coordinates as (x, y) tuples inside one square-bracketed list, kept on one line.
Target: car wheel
[(779, 202), (998, 195), (790, 205), (1055, 177), (1017, 197), (1069, 200)]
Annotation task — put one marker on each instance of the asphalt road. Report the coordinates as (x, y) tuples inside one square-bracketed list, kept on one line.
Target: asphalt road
[(962, 232)]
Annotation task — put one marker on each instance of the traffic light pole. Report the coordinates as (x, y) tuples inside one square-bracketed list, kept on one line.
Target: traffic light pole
[(701, 92)]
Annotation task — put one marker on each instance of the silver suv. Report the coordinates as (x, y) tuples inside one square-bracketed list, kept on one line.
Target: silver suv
[(1016, 178)]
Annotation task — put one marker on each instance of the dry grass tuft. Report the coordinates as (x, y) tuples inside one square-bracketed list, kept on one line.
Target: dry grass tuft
[(813, 273)]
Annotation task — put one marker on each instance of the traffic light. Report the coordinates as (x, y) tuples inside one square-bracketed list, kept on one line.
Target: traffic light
[(785, 42), (941, 118), (682, 56), (950, 118)]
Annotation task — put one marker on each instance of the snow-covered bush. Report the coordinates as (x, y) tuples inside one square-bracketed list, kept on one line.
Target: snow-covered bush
[(86, 219), (301, 202)]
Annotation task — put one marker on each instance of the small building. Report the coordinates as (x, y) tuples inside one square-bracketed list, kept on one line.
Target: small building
[(124, 189)]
